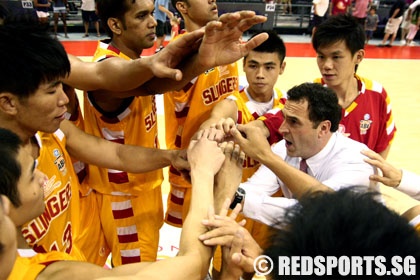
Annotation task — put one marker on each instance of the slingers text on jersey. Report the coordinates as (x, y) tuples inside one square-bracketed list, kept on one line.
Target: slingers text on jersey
[(224, 86), (54, 206), (151, 119)]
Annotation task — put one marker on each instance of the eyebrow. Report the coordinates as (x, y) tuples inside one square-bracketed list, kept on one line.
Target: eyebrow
[(333, 53), (265, 63)]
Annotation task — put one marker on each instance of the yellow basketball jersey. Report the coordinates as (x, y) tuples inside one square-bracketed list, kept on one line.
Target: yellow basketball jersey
[(187, 109), (58, 227), (136, 125), (30, 268)]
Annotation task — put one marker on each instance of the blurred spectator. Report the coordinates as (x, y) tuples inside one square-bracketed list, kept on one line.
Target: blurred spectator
[(161, 11), (42, 7), (360, 10), (89, 15), (60, 10), (414, 18), (338, 7), (286, 6), (393, 23), (318, 13), (175, 26), (371, 23)]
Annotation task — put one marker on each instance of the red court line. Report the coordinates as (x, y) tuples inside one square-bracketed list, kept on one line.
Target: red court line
[(87, 48)]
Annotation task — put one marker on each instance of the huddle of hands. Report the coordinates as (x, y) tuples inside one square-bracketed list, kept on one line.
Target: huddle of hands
[(214, 150)]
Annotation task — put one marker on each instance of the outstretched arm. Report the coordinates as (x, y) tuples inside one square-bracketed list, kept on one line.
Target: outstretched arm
[(134, 159), (117, 74), (221, 45), (239, 249)]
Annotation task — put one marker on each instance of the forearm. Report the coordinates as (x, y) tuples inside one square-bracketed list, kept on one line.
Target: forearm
[(63, 270), (136, 159), (113, 74), (103, 153), (190, 70), (201, 199)]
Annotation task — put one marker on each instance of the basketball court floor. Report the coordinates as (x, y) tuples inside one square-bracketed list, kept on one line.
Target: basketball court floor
[(397, 68)]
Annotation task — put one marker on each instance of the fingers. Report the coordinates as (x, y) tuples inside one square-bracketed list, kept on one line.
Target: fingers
[(236, 134), (237, 244), (225, 208), (226, 125), (163, 71), (255, 41), (246, 24), (190, 38), (372, 155), (211, 133)]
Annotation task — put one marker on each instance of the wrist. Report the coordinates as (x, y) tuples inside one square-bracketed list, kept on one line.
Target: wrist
[(239, 198), (398, 181)]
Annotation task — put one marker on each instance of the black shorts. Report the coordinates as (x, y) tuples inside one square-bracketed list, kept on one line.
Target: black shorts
[(89, 16), (160, 29), (317, 20)]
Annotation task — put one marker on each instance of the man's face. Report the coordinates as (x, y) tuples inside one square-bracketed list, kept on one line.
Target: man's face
[(140, 26), (202, 11), (262, 70), (8, 243), (301, 138), (44, 110), (336, 64), (31, 189)]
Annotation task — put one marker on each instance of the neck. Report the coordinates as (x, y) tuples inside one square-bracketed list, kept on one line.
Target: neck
[(191, 26), (25, 136), (346, 92), (133, 54), (21, 242), (262, 98)]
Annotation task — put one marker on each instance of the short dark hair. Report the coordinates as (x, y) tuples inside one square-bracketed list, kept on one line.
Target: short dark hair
[(348, 222), (113, 9), (322, 103), (10, 169), (274, 43), (340, 28), (30, 57)]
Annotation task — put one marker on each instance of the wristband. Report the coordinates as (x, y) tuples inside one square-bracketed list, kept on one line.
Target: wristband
[(239, 197)]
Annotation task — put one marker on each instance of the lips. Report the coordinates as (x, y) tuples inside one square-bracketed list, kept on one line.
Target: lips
[(259, 85), (328, 76)]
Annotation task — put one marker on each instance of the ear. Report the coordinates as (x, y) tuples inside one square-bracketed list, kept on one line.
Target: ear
[(8, 103), (324, 128), (360, 54), (282, 67), (181, 7), (115, 25)]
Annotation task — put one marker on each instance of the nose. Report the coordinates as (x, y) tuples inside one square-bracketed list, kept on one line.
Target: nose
[(260, 73), (153, 21), (283, 128), (63, 98), (327, 64)]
